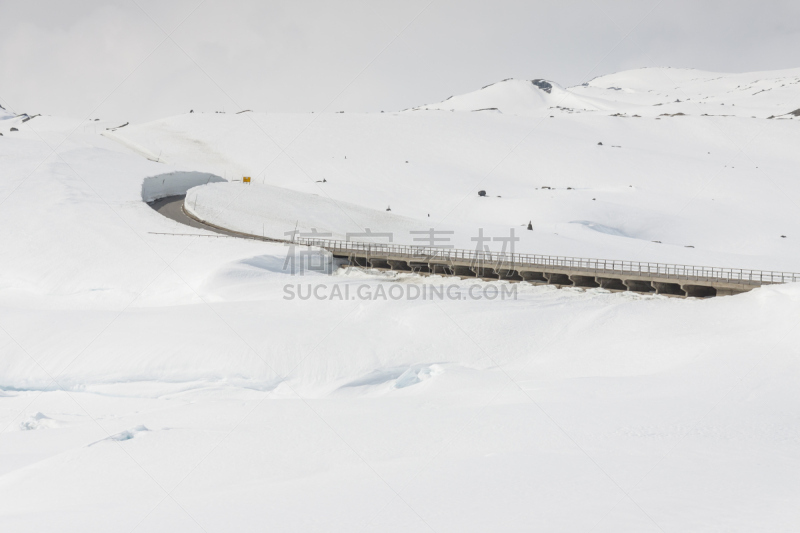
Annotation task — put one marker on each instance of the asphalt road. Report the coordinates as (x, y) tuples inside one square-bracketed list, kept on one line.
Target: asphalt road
[(172, 207)]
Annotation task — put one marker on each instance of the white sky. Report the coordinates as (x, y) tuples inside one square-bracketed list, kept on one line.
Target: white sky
[(114, 59)]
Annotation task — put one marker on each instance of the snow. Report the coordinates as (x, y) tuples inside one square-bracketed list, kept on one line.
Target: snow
[(155, 377), (247, 210), (174, 183), (696, 190), (759, 94), (646, 92), (520, 97)]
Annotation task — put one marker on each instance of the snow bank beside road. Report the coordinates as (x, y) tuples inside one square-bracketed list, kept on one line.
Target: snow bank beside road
[(174, 183), (275, 212)]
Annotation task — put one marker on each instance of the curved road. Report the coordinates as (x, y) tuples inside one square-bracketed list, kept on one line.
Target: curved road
[(172, 207)]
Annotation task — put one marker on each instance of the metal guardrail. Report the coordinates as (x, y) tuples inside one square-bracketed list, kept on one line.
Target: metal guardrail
[(533, 262)]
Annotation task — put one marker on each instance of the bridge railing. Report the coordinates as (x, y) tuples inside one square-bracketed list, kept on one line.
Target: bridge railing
[(532, 261)]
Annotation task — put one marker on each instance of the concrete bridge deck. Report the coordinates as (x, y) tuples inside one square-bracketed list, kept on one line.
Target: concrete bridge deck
[(657, 278)]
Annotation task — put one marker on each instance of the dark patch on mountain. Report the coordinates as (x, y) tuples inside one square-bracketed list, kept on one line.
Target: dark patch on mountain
[(543, 85)]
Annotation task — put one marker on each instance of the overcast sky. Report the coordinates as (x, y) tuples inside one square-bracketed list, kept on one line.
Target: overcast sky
[(144, 59)]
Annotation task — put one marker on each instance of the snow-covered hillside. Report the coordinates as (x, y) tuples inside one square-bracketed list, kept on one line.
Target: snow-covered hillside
[(156, 377), (647, 92), (772, 94), (689, 189), (521, 97)]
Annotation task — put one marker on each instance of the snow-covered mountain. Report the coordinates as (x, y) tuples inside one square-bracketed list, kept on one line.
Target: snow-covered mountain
[(521, 97), (155, 376), (643, 92)]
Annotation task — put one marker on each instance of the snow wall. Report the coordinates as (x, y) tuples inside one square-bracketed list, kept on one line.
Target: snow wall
[(174, 183)]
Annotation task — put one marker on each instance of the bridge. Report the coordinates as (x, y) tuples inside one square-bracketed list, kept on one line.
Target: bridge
[(613, 275)]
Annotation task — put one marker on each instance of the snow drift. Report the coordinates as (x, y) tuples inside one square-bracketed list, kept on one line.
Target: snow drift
[(150, 371)]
